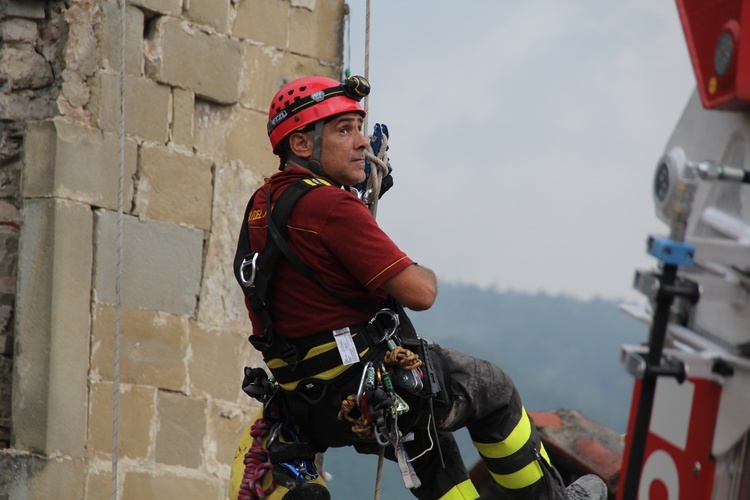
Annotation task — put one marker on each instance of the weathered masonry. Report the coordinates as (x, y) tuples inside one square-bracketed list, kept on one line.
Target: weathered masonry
[(198, 78)]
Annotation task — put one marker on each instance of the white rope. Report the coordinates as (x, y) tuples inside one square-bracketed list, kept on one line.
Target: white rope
[(373, 186), (118, 272), (378, 170), (367, 56), (348, 51), (379, 478)]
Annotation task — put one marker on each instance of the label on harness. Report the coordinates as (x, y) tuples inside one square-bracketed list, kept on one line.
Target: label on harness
[(347, 349)]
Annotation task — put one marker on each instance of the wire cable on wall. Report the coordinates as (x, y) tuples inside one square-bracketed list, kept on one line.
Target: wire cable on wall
[(118, 271)]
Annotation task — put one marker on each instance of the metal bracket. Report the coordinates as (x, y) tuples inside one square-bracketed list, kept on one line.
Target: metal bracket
[(651, 285), (636, 364), (677, 253)]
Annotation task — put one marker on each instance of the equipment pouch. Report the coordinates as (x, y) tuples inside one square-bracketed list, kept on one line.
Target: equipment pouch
[(420, 346)]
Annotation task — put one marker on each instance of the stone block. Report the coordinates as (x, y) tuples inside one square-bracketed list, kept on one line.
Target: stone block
[(181, 56), (21, 67), (99, 483), (82, 51), (50, 395), (216, 366), (16, 467), (153, 347), (247, 141), (110, 38), (221, 301), (318, 31), (30, 9), (169, 486), (228, 422), (174, 187), (161, 264), (213, 13), (147, 109), (136, 421), (170, 7), (61, 478), (211, 124), (75, 89), (16, 29), (183, 114), (181, 430), (54, 153), (267, 70), (263, 21), (28, 105)]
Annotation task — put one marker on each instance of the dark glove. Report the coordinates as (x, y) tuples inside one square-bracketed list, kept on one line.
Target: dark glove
[(386, 183)]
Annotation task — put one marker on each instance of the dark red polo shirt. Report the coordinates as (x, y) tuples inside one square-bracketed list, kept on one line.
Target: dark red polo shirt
[(333, 233)]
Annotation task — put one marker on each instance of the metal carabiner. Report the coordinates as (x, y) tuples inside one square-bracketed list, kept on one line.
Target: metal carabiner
[(248, 262), (388, 332), (368, 365)]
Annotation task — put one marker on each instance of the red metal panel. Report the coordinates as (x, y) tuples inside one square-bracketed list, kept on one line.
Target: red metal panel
[(719, 53), (671, 472)]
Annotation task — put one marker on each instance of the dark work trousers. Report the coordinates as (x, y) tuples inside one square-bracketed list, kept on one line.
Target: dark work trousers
[(475, 394)]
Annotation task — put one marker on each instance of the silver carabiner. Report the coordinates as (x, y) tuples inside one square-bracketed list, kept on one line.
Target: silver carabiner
[(248, 262), (388, 332), (361, 388)]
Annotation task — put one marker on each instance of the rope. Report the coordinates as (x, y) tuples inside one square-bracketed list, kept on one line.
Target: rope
[(361, 426), (257, 462), (367, 56), (348, 51), (378, 170), (118, 272), (403, 357), (379, 477)]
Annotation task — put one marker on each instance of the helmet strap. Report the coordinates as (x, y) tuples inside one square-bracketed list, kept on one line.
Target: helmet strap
[(313, 164)]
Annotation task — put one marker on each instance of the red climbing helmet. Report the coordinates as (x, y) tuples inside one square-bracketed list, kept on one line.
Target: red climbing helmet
[(307, 100)]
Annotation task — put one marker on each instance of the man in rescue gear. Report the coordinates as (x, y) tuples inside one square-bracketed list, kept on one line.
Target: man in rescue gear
[(328, 316)]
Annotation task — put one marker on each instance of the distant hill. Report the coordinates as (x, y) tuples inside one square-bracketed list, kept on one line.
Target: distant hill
[(561, 352)]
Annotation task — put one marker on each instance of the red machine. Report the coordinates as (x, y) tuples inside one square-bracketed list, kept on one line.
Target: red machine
[(689, 428)]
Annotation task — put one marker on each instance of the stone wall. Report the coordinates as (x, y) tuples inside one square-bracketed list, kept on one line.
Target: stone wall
[(198, 78)]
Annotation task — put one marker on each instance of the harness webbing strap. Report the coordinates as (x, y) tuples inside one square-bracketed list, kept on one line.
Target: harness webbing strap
[(320, 362), (275, 231), (258, 294)]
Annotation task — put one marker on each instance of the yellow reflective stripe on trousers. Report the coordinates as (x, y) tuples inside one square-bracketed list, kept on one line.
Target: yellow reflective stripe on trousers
[(524, 477), (520, 479), (514, 442), (543, 453), (462, 491)]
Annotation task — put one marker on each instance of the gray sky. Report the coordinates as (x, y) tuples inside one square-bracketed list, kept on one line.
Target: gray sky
[(524, 135)]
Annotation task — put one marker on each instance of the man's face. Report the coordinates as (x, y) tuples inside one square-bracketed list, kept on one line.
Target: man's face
[(343, 154)]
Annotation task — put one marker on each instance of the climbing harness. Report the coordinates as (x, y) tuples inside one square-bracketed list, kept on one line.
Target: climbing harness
[(375, 409)]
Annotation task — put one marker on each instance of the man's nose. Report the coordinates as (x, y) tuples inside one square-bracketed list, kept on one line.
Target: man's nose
[(361, 140)]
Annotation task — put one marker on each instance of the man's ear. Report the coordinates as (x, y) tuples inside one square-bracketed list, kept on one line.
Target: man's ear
[(301, 144)]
